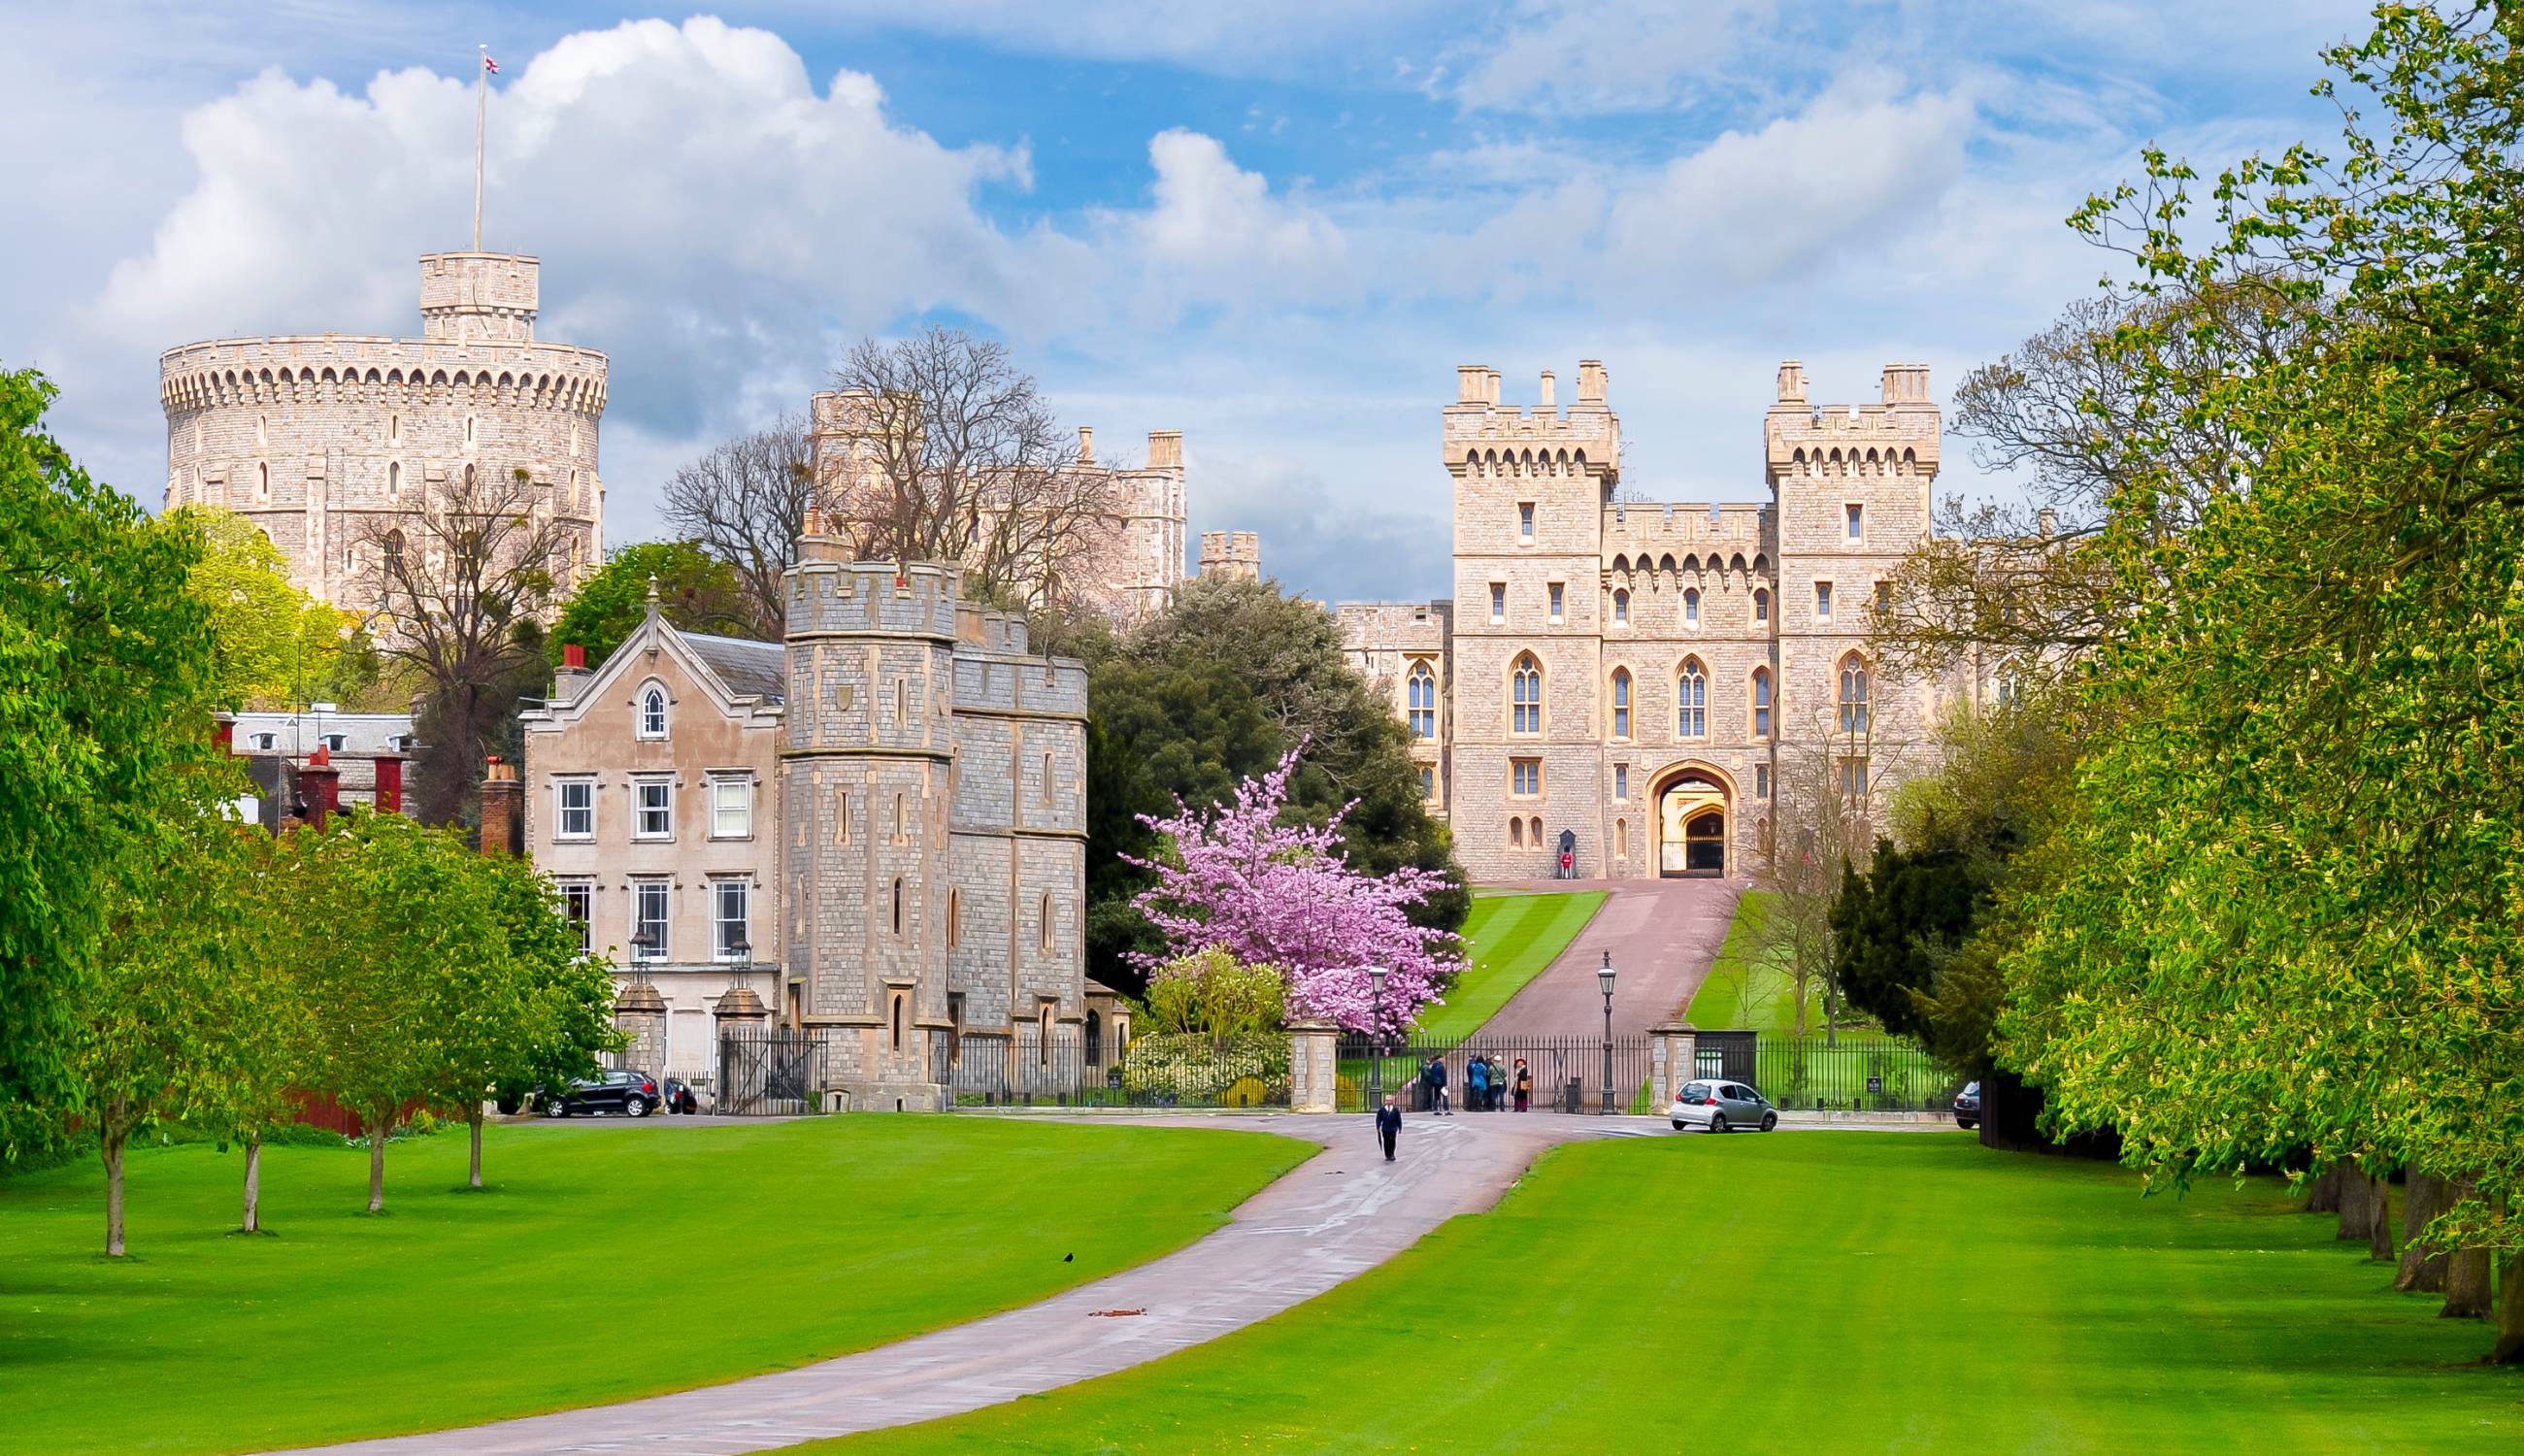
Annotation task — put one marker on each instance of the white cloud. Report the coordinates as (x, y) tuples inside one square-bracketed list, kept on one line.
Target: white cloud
[(1215, 229), (1590, 56)]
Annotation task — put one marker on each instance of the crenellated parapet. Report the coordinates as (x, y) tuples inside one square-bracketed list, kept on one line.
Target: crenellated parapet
[(1484, 439), (1894, 438)]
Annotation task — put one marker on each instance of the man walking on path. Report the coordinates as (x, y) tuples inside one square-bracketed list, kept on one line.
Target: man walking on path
[(1388, 1126)]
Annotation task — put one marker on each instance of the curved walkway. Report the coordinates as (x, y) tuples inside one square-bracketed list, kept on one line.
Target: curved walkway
[(1328, 1220), (1664, 936)]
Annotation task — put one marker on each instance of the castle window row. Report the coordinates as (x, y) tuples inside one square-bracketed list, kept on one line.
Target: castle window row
[(652, 807), (1691, 698), (649, 920)]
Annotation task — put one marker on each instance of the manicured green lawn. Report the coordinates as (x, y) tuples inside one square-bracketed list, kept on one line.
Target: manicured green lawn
[(1818, 1293), (1745, 993), (1509, 939), (608, 1262)]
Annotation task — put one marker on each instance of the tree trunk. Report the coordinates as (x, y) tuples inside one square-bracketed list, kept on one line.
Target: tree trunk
[(378, 1126), (2509, 1348), (2466, 1285), (476, 1119), (2379, 1229), (112, 1146), (253, 1185), (2423, 1267), (2322, 1194), (2357, 1203)]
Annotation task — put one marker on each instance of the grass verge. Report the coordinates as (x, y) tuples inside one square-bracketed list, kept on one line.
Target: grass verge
[(1508, 939), (1818, 1293), (606, 1261)]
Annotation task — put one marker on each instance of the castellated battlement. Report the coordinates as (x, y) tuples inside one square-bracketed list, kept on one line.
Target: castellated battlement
[(1646, 526), (1485, 438), (488, 296), (1235, 555), (871, 599), (1894, 438)]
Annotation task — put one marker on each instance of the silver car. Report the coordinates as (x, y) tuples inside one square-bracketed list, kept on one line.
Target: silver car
[(1717, 1105)]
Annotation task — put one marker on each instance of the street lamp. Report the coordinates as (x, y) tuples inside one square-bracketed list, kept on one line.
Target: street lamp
[(1604, 978), (1375, 1037)]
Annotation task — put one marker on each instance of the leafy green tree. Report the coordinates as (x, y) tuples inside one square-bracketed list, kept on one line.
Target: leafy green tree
[(538, 1014), (171, 1013), (696, 592), (275, 645), (1211, 994), (391, 982), (2284, 882), (105, 673)]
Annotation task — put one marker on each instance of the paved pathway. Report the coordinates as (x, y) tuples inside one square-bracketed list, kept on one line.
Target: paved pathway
[(1334, 1217), (1664, 935)]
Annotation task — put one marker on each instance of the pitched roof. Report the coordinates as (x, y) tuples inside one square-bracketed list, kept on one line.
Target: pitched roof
[(747, 668)]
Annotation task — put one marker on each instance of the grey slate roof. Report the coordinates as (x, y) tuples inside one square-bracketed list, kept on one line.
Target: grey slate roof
[(750, 670)]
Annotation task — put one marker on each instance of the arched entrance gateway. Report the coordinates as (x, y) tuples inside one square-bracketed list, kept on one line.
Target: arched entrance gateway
[(1692, 808)]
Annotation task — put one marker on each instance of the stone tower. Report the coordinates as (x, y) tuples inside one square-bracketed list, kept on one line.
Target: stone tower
[(1236, 554), (1530, 489), (865, 791), (326, 439)]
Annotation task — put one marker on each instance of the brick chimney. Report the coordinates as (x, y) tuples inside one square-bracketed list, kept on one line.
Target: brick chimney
[(573, 675), (321, 783), (389, 783), (503, 799), (223, 733)]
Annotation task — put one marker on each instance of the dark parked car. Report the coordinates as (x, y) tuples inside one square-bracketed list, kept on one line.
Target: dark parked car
[(680, 1098), (631, 1093), (1968, 1106)]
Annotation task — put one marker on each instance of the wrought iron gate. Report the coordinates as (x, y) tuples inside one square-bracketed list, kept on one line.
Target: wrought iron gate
[(1562, 1074), (770, 1071)]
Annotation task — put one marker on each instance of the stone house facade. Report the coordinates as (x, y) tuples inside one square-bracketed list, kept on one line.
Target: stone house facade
[(900, 790), (1637, 684), (323, 440)]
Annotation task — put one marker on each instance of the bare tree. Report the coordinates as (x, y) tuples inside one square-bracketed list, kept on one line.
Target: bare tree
[(1823, 824), (947, 452), (462, 580), (745, 502)]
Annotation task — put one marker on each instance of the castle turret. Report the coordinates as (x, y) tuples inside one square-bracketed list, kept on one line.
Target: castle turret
[(478, 296), (1233, 555)]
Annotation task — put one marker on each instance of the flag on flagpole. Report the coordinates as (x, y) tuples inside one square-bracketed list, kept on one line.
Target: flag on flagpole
[(490, 65)]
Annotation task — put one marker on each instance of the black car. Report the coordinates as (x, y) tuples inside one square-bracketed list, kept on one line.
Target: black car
[(631, 1093), (1968, 1106), (680, 1098)]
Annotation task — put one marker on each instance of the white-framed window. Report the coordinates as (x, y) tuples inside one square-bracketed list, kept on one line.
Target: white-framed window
[(1423, 692), (731, 919), (653, 809), (574, 810), (1691, 607), (1691, 700), (1620, 702), (1499, 602), (1524, 777), (1822, 601), (1525, 695), (1762, 704), (649, 923), (1621, 607), (652, 711), (1525, 522), (732, 808), (1854, 518), (578, 908), (1559, 600)]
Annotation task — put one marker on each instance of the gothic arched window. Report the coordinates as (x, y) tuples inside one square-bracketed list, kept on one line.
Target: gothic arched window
[(1620, 702), (1854, 715), (1691, 607), (1761, 702), (1424, 702), (1525, 695), (652, 711), (1621, 609), (1761, 604), (1691, 700)]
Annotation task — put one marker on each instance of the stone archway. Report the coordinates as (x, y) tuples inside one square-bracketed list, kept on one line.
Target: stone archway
[(1694, 808)]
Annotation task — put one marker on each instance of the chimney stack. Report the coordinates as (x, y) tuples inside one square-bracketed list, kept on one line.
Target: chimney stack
[(1550, 391), (389, 783), (1792, 382), (573, 675), (503, 797), (1087, 444), (1592, 381), (1165, 449), (322, 785)]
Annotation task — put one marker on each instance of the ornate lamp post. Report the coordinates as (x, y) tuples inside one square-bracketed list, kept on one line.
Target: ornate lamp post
[(1375, 1037), (1604, 978)]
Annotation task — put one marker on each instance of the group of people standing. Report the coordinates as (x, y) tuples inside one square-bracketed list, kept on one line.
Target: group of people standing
[(1488, 1084)]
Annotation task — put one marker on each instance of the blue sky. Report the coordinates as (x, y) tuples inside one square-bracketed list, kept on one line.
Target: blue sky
[(1275, 228)]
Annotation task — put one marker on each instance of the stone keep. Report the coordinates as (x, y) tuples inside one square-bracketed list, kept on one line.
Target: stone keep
[(324, 439), (932, 788), (1682, 662)]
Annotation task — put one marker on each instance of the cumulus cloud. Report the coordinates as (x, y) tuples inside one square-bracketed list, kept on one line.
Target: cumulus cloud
[(1213, 230), (1590, 56)]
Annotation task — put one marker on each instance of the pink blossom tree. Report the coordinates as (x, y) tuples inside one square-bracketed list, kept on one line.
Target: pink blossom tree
[(1286, 895)]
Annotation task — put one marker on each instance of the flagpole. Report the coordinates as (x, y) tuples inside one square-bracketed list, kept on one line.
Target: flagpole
[(481, 110)]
